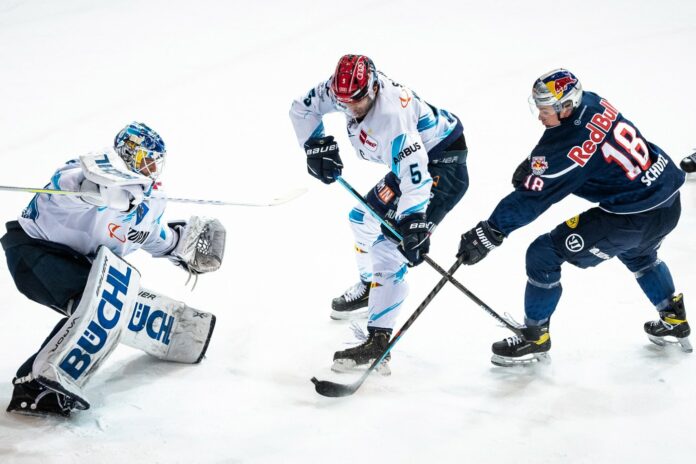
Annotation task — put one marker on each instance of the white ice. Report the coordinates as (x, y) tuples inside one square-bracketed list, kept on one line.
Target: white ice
[(216, 79)]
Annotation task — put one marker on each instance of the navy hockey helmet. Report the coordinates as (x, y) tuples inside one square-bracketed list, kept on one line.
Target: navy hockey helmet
[(141, 148), (558, 88), (354, 78)]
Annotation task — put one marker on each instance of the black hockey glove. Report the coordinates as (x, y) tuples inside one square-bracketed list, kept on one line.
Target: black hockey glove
[(478, 242), (415, 238), (688, 164), (323, 161), (521, 173)]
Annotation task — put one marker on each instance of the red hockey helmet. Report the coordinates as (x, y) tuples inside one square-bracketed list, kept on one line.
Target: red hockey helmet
[(353, 79)]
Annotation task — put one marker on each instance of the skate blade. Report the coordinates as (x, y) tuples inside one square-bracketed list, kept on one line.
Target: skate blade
[(348, 365), (504, 361), (349, 315), (684, 343), (37, 413)]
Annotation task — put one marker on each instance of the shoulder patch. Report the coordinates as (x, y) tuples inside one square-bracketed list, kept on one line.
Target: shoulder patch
[(369, 142), (573, 222), (539, 165)]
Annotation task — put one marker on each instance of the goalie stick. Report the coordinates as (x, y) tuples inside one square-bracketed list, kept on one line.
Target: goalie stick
[(279, 200)]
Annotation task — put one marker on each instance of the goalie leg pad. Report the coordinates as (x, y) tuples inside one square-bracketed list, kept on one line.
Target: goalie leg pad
[(88, 337), (168, 329)]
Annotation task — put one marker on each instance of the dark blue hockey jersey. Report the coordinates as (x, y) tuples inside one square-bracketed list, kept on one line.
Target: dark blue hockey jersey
[(598, 155)]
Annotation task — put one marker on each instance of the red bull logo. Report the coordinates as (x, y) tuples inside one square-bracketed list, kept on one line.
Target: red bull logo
[(539, 165), (599, 125), (559, 86)]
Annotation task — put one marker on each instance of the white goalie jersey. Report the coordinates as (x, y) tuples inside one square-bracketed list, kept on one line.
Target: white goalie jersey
[(398, 131), (69, 220)]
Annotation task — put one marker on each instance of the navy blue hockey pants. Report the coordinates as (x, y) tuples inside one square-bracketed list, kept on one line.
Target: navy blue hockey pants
[(596, 236), (48, 273)]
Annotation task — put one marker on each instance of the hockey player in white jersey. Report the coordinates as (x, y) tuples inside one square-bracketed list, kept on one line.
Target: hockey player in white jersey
[(425, 151), (63, 245)]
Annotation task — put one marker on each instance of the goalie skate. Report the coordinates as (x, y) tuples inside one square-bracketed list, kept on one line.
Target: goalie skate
[(30, 398)]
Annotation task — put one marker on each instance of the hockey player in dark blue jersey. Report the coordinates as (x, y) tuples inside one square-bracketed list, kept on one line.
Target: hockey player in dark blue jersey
[(591, 150)]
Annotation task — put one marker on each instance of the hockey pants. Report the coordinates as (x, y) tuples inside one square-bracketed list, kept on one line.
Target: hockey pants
[(48, 273), (596, 236)]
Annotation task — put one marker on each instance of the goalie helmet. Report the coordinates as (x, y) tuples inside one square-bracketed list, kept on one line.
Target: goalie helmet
[(141, 148), (354, 79), (558, 88)]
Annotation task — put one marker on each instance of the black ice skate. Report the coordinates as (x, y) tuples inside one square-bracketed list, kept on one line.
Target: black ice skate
[(365, 353), (532, 347), (672, 326), (353, 303), (31, 398), (688, 164)]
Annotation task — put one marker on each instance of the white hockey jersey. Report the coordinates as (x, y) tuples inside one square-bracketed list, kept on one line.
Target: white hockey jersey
[(398, 131), (68, 220)]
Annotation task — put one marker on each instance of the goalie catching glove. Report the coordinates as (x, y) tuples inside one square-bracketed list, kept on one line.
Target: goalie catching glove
[(201, 244)]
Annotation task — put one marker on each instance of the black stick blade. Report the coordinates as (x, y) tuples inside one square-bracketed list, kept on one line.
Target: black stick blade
[(332, 389)]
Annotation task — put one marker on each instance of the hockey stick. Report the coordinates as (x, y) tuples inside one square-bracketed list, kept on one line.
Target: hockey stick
[(447, 275), (432, 263), (337, 390), (291, 195)]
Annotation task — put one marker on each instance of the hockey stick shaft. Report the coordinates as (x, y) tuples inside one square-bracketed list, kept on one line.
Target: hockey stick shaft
[(427, 259), (448, 275), (291, 195)]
